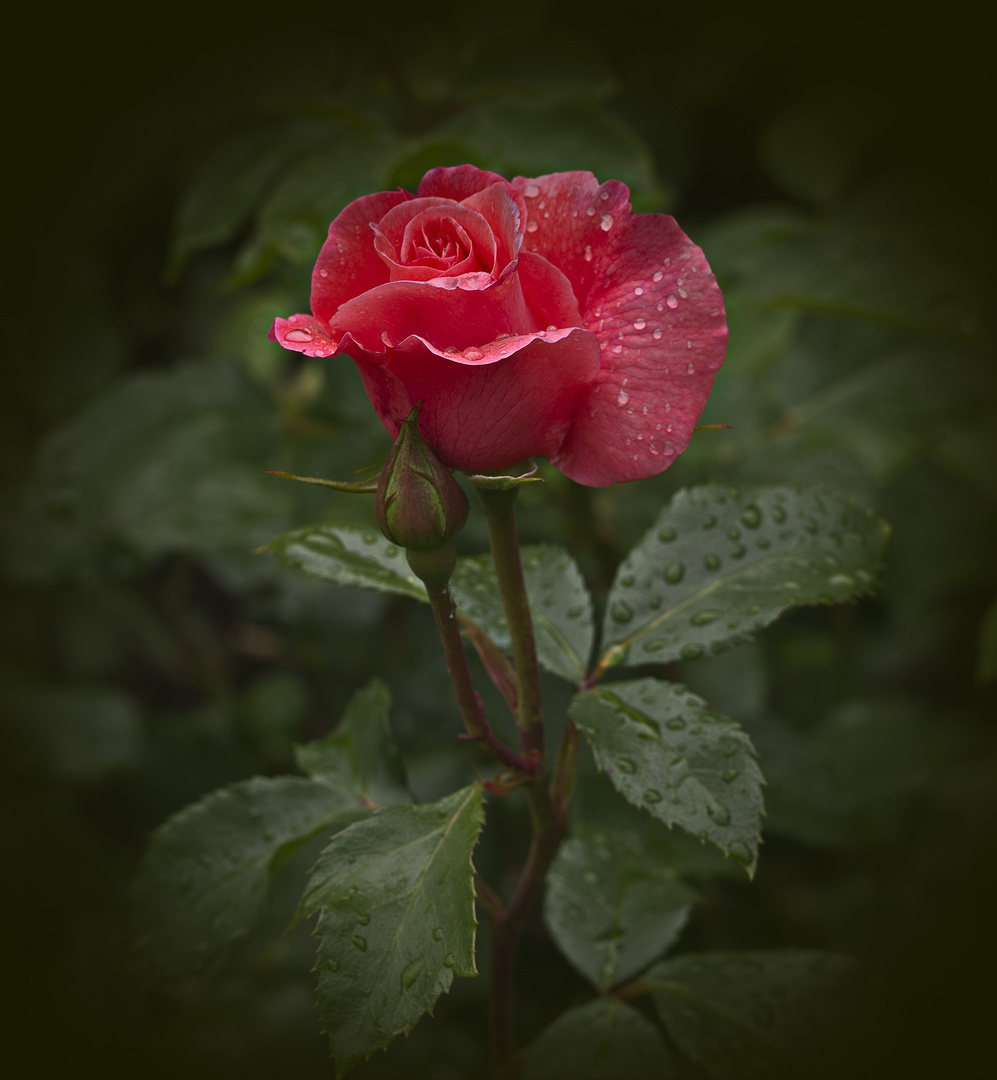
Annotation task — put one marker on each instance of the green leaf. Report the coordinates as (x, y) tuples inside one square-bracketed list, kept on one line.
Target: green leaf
[(359, 757), (746, 1015), (666, 751), (633, 909), (603, 1040), (349, 556), (719, 564), (203, 881), (397, 920), (225, 191), (171, 459), (561, 606)]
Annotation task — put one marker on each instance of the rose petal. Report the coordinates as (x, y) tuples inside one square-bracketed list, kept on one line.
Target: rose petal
[(548, 292), (396, 238), (489, 407), (348, 264), (301, 333), (647, 293), (461, 182), (448, 317), (503, 213)]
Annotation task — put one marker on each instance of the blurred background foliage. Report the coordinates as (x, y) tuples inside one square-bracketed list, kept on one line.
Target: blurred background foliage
[(169, 193)]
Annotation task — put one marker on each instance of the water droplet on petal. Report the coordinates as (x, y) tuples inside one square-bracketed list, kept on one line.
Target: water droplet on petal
[(639, 324), (323, 272), (672, 302), (303, 336), (606, 222), (843, 581), (473, 354), (531, 191), (657, 333), (532, 226), (587, 254), (590, 211), (638, 291), (658, 275), (690, 368), (622, 397)]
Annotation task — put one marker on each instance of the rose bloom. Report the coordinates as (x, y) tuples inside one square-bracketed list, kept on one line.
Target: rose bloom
[(541, 317)]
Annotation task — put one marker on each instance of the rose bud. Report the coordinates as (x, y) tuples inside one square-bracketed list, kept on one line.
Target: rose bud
[(419, 505), (538, 317)]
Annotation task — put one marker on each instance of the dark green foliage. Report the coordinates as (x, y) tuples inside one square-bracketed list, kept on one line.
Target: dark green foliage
[(168, 198)]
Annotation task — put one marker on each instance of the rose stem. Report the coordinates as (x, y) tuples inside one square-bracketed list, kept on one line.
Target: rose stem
[(500, 516), (468, 700), (548, 823)]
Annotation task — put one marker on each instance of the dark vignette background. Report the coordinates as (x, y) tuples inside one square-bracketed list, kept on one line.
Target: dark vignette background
[(106, 119)]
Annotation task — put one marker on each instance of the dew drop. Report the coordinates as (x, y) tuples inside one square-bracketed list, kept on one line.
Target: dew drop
[(709, 521), (621, 611), (323, 273), (763, 542), (741, 854), (674, 573), (531, 191), (590, 211), (606, 223), (751, 516), (639, 324), (302, 336), (627, 581), (638, 291), (658, 333), (690, 368), (449, 960), (618, 349), (675, 724), (711, 562), (658, 275), (778, 514), (843, 581), (692, 651), (532, 226), (652, 795), (411, 972), (720, 814), (437, 933), (587, 254), (473, 354), (360, 943), (622, 397), (672, 302), (704, 618), (666, 536), (626, 765), (731, 775), (363, 919), (333, 965)]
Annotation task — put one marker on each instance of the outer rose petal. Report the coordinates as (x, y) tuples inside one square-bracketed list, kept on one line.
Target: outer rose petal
[(348, 264), (489, 407), (448, 318), (301, 333), (647, 293)]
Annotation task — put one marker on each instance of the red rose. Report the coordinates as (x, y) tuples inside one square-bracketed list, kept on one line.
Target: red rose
[(534, 318)]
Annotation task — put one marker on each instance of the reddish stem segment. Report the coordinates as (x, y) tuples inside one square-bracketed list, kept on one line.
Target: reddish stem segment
[(468, 699)]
